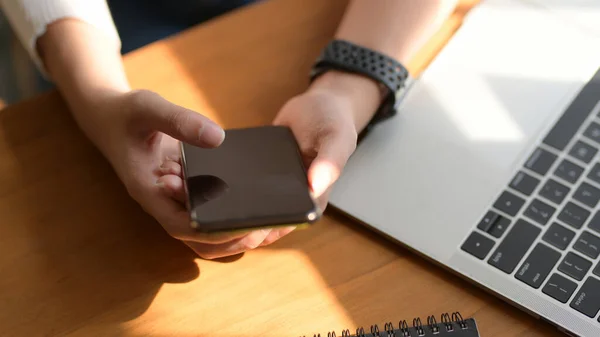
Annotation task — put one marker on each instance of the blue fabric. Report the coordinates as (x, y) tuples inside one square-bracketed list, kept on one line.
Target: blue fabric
[(141, 22), (8, 80)]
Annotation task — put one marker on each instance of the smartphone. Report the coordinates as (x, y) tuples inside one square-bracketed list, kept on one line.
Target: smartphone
[(255, 179)]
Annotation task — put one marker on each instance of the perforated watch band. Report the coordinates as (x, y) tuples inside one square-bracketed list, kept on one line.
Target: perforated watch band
[(347, 56)]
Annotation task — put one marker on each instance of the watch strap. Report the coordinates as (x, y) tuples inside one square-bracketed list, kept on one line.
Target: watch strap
[(346, 56)]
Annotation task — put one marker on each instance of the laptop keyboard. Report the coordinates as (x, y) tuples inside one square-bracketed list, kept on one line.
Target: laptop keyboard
[(544, 227)]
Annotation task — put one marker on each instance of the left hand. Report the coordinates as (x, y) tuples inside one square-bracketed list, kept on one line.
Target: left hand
[(326, 120)]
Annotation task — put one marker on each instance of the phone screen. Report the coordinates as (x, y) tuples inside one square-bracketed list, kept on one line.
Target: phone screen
[(254, 179)]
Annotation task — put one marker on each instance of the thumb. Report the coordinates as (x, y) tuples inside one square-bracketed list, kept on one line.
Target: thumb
[(331, 158), (157, 114)]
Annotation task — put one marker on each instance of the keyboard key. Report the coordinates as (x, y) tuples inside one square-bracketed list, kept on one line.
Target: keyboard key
[(575, 266), (568, 171), (524, 183), (595, 222), (593, 132), (596, 270), (594, 173), (554, 191), (509, 203), (540, 161), (538, 265), (573, 215), (499, 227), (558, 236), (488, 220), (588, 244), (494, 224), (514, 246), (539, 212), (587, 194), (574, 116), (477, 245), (559, 287), (587, 300), (583, 151)]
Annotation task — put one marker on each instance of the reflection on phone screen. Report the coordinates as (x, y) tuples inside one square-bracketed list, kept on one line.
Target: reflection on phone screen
[(207, 188)]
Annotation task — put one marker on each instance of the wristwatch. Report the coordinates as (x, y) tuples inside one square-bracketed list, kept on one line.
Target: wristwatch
[(346, 56)]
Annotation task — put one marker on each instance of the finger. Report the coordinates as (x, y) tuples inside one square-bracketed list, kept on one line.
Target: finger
[(333, 153), (276, 234), (322, 200), (172, 186), (170, 213), (170, 167), (170, 149), (174, 217), (154, 112), (234, 247)]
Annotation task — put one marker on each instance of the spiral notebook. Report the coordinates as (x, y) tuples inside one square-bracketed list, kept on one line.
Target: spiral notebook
[(450, 325)]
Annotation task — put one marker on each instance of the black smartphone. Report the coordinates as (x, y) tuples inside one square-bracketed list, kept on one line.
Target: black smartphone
[(254, 179)]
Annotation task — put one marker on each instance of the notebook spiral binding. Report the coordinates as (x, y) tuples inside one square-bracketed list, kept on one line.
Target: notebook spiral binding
[(448, 322)]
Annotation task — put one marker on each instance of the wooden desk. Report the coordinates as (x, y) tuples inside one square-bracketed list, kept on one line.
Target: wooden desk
[(78, 257)]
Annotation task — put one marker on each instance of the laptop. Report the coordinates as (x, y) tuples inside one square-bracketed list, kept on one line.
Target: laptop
[(491, 168)]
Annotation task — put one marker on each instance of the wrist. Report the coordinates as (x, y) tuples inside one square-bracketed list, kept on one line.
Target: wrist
[(97, 114), (362, 94)]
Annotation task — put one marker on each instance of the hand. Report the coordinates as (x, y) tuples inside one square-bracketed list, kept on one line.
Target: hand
[(326, 120), (139, 133)]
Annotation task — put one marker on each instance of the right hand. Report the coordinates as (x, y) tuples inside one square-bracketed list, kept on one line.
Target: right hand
[(139, 133)]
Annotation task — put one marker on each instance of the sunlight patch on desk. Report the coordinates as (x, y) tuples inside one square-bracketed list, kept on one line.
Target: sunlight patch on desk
[(249, 302), (181, 90)]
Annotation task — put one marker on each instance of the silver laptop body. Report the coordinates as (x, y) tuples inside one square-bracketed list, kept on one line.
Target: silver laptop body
[(491, 168)]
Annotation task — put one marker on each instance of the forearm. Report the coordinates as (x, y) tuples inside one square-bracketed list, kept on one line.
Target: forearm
[(86, 67), (397, 28), (78, 40), (83, 63)]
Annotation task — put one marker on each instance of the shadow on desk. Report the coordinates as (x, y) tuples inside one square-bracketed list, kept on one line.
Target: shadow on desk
[(88, 258)]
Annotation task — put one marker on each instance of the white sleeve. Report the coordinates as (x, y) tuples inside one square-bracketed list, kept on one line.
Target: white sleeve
[(29, 19)]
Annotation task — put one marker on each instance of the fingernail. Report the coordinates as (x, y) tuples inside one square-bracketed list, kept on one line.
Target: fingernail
[(323, 175), (321, 183), (211, 134)]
